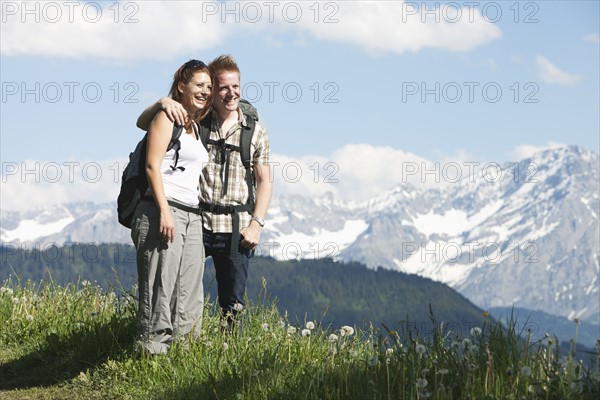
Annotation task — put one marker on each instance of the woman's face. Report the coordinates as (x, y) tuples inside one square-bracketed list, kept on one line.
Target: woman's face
[(195, 94)]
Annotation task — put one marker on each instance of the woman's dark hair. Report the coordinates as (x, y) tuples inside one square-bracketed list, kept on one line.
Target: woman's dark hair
[(184, 75)]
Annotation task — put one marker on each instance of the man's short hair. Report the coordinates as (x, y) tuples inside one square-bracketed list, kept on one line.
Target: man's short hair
[(223, 63)]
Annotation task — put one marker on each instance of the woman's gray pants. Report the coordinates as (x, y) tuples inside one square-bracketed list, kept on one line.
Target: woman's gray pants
[(170, 274)]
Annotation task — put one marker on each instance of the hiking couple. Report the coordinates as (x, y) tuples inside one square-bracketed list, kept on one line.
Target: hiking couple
[(200, 201)]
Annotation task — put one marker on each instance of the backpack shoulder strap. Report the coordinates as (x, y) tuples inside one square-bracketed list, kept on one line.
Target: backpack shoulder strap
[(246, 139), (204, 130), (175, 135), (176, 144)]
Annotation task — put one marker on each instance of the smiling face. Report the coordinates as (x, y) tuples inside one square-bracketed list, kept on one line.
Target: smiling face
[(195, 94), (227, 92)]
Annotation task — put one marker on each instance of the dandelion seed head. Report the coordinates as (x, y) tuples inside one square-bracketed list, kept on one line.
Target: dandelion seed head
[(475, 331), (310, 325), (3, 289), (305, 332), (421, 349), (443, 371), (332, 338), (85, 283), (291, 330), (346, 330), (15, 300), (531, 389), (238, 307), (225, 346), (265, 327), (29, 317), (389, 352)]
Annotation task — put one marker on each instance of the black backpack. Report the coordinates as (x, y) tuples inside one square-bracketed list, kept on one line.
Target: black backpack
[(134, 182)]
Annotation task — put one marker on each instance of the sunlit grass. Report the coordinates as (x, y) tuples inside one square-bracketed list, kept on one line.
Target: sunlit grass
[(76, 341)]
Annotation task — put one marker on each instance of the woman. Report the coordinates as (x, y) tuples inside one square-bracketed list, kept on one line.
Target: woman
[(167, 228)]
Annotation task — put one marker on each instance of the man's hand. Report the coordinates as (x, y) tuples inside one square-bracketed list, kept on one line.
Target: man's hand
[(251, 235), (174, 110)]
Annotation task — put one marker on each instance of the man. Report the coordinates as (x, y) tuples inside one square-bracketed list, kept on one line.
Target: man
[(224, 192)]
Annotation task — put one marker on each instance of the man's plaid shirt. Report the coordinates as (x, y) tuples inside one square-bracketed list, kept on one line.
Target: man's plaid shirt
[(213, 175)]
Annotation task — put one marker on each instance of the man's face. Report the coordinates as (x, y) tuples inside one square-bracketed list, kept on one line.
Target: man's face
[(226, 94)]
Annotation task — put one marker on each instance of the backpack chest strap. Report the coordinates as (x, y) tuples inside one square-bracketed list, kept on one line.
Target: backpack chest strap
[(224, 150)]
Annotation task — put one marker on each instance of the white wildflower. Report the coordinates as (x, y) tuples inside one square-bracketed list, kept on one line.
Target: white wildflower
[(265, 327), (85, 283), (15, 300), (421, 349), (29, 317), (238, 307), (225, 346), (475, 331), (310, 325), (346, 330), (389, 352), (421, 383), (332, 338), (305, 332), (526, 371), (291, 330)]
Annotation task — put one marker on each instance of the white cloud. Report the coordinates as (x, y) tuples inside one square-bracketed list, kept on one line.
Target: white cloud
[(31, 184), (593, 38), (163, 30), (523, 151), (354, 172), (406, 26), (550, 73), (138, 30)]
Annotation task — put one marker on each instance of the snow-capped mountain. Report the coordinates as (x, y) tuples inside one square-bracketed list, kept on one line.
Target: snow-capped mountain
[(525, 233)]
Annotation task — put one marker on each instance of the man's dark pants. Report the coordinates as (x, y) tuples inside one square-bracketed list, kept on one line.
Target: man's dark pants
[(231, 271)]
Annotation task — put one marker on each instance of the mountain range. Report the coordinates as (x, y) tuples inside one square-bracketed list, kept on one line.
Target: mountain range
[(523, 234)]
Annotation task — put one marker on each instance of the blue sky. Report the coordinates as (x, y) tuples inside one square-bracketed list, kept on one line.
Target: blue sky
[(366, 82)]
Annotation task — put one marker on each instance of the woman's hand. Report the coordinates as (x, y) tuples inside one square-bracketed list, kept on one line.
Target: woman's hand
[(167, 226), (174, 110)]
